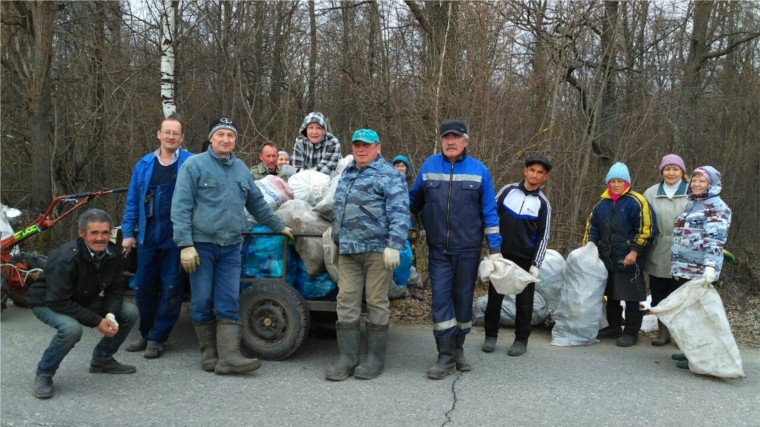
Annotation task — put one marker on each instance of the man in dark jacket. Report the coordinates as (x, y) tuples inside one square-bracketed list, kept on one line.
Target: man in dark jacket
[(83, 285), (524, 218), (454, 197)]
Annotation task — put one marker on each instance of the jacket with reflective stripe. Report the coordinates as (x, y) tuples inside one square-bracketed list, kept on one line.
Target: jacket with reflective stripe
[(456, 203)]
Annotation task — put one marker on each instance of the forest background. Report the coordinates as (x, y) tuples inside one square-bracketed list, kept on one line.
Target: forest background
[(586, 83)]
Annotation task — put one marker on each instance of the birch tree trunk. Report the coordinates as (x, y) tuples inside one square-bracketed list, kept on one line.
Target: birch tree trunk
[(168, 80)]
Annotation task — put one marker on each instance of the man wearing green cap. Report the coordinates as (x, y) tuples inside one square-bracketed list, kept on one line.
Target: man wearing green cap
[(370, 225)]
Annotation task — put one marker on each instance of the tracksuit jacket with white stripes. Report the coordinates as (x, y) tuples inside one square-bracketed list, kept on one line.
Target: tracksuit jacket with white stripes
[(524, 219)]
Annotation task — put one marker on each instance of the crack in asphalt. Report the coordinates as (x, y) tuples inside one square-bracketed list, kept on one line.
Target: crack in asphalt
[(454, 402)]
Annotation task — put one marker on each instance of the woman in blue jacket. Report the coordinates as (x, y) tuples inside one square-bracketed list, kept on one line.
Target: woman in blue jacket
[(622, 226)]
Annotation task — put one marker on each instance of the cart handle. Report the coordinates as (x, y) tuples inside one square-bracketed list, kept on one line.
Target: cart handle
[(272, 233)]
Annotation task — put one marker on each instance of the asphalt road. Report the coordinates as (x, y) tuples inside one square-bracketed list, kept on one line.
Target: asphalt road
[(595, 385)]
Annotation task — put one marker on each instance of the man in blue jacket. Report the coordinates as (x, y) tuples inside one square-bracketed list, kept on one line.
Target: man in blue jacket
[(158, 280), (213, 189), (453, 195), (524, 219), (369, 226)]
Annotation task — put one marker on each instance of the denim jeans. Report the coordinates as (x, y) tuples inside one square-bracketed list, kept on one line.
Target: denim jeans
[(216, 283), (69, 332), (158, 282)]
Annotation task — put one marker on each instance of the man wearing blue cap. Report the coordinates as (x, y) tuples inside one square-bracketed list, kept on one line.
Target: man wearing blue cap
[(454, 198), (369, 227)]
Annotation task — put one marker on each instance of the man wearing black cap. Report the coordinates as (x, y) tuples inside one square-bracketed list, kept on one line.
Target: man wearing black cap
[(213, 189), (524, 218), (453, 195)]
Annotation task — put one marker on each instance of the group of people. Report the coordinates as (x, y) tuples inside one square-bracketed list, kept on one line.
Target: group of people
[(185, 215)]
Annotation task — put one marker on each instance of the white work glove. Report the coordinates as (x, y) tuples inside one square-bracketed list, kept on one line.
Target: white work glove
[(288, 232), (112, 318), (709, 274), (495, 256), (533, 271), (189, 259), (391, 258)]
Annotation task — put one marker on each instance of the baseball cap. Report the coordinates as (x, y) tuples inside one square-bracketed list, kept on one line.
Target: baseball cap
[(366, 135), (541, 160), (453, 126)]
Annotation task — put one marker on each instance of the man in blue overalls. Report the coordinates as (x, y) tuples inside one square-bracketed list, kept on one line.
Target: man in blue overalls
[(158, 281)]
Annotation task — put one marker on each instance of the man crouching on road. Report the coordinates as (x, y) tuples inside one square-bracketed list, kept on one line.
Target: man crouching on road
[(212, 190), (369, 226), (67, 296), (453, 195)]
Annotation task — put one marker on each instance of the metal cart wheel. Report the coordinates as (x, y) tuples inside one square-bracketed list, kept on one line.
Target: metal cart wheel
[(275, 320)]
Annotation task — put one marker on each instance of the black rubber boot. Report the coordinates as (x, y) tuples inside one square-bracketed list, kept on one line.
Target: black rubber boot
[(445, 365), (615, 320), (138, 344), (489, 344), (631, 332), (110, 366), (348, 347), (374, 363), (228, 345), (206, 333), (459, 360), (43, 387)]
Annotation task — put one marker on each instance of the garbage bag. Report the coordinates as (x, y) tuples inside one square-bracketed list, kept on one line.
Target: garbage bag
[(551, 278), (320, 287), (331, 254), (506, 276), (415, 279), (396, 292), (580, 307), (298, 215), (275, 191), (309, 186), (402, 272), (325, 207), (343, 163), (262, 256), (509, 310), (695, 316)]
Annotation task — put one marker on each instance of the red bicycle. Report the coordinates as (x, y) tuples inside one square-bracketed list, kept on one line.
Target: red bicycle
[(20, 270)]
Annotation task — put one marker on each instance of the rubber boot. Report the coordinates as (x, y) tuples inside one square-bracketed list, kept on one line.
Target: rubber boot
[(228, 344), (207, 339), (445, 365), (374, 363), (139, 344), (459, 360), (615, 320), (664, 336), (154, 350), (631, 332), (348, 347)]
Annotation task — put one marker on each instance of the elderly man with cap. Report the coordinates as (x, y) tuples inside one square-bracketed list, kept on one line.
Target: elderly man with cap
[(453, 195), (369, 226), (212, 190), (524, 218)]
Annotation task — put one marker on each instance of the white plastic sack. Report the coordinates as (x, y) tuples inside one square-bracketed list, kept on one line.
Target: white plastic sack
[(275, 191), (309, 186), (343, 163), (297, 215), (695, 316), (551, 278), (505, 276), (580, 307), (325, 207), (509, 311), (331, 254)]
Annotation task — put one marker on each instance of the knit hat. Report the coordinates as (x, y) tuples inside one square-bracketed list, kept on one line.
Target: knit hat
[(401, 159), (366, 135), (618, 171), (222, 123), (672, 159)]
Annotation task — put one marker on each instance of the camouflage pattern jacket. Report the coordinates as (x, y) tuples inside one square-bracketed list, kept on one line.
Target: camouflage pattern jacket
[(700, 232), (371, 210)]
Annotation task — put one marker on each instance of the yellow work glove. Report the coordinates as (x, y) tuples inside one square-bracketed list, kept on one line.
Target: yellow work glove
[(189, 259)]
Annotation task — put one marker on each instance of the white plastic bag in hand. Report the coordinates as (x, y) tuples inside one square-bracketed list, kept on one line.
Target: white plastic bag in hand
[(505, 276)]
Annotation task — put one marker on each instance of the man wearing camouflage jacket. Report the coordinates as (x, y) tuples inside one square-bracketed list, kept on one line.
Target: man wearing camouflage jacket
[(370, 225)]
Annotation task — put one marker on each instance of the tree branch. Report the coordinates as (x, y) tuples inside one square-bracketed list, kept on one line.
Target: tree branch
[(730, 48)]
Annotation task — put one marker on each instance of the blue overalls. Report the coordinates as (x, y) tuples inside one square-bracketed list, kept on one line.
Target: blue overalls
[(159, 278)]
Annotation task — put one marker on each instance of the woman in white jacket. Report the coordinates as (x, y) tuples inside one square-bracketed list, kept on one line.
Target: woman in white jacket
[(668, 199)]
